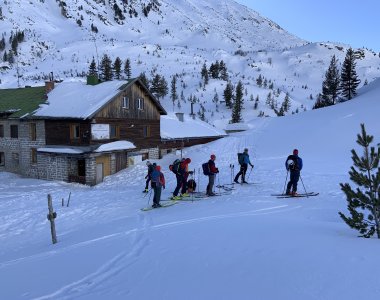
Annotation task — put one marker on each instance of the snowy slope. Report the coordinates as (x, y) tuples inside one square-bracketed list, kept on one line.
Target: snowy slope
[(176, 38), (247, 245)]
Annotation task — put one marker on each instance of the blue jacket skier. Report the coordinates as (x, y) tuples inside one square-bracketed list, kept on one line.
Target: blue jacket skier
[(293, 164), (158, 182), (244, 161)]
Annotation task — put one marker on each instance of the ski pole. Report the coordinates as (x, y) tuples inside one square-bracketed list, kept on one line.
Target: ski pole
[(218, 183), (231, 172), (304, 187), (250, 172), (150, 194), (286, 179), (199, 171), (192, 194)]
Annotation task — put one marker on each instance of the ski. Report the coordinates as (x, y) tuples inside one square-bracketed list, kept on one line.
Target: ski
[(225, 187), (204, 195), (162, 206), (298, 196), (303, 194)]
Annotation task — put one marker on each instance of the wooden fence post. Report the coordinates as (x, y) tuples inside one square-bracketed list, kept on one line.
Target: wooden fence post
[(51, 216)]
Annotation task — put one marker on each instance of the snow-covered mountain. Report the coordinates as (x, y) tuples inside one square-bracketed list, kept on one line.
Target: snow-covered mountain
[(169, 37)]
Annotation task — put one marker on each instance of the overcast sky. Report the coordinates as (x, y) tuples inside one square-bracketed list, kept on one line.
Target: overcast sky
[(356, 23)]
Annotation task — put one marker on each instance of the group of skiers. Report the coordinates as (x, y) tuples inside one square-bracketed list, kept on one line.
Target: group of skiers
[(180, 168)]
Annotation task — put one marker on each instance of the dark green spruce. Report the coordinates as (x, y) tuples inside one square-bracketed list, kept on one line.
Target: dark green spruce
[(349, 80), (363, 203)]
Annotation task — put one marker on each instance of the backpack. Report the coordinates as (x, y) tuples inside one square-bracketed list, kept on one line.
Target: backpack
[(206, 169), (292, 163), (175, 166), (240, 158)]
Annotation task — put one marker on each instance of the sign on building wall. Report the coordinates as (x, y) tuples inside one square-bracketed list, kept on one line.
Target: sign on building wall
[(100, 131)]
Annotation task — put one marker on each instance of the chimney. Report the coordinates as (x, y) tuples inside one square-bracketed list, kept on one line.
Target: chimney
[(49, 85), (180, 116)]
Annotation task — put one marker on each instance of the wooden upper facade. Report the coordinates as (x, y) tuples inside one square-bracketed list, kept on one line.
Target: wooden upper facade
[(132, 114)]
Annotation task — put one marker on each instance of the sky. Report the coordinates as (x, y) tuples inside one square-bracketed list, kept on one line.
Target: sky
[(349, 22)]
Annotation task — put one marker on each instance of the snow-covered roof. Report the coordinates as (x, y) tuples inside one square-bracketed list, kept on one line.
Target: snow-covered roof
[(237, 127), (63, 150), (113, 146), (77, 99), (172, 128)]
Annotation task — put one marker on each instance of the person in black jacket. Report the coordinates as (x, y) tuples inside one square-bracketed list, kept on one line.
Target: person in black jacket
[(211, 176), (293, 164), (148, 177)]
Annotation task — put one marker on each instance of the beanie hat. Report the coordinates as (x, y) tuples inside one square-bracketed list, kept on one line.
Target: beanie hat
[(295, 152), (187, 160), (246, 150), (158, 168), (148, 163), (213, 156)]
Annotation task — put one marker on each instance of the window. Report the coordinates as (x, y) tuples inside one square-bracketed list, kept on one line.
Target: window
[(146, 131), (2, 159), (14, 131), (1, 131), (114, 131), (140, 103), (33, 131), (74, 131), (125, 102), (33, 155)]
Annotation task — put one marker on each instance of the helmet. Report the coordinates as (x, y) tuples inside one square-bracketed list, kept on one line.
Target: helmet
[(290, 162), (295, 152), (158, 168), (187, 160), (213, 157), (148, 163), (246, 150)]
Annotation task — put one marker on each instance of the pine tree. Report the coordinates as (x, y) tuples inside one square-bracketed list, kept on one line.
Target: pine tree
[(11, 58), (259, 81), (216, 100), (144, 80), (2, 44), (106, 68), (204, 74), (159, 86), (93, 70), (227, 95), (349, 79), (223, 71), (330, 85), (286, 104), (155, 87), (14, 44), (256, 105), (238, 104), (5, 56), (127, 68), (163, 91), (364, 205), (117, 67), (173, 90)]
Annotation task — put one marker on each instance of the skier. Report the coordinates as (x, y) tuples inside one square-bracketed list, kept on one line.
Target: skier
[(151, 168), (211, 177), (294, 165), (181, 175), (244, 162), (158, 182)]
